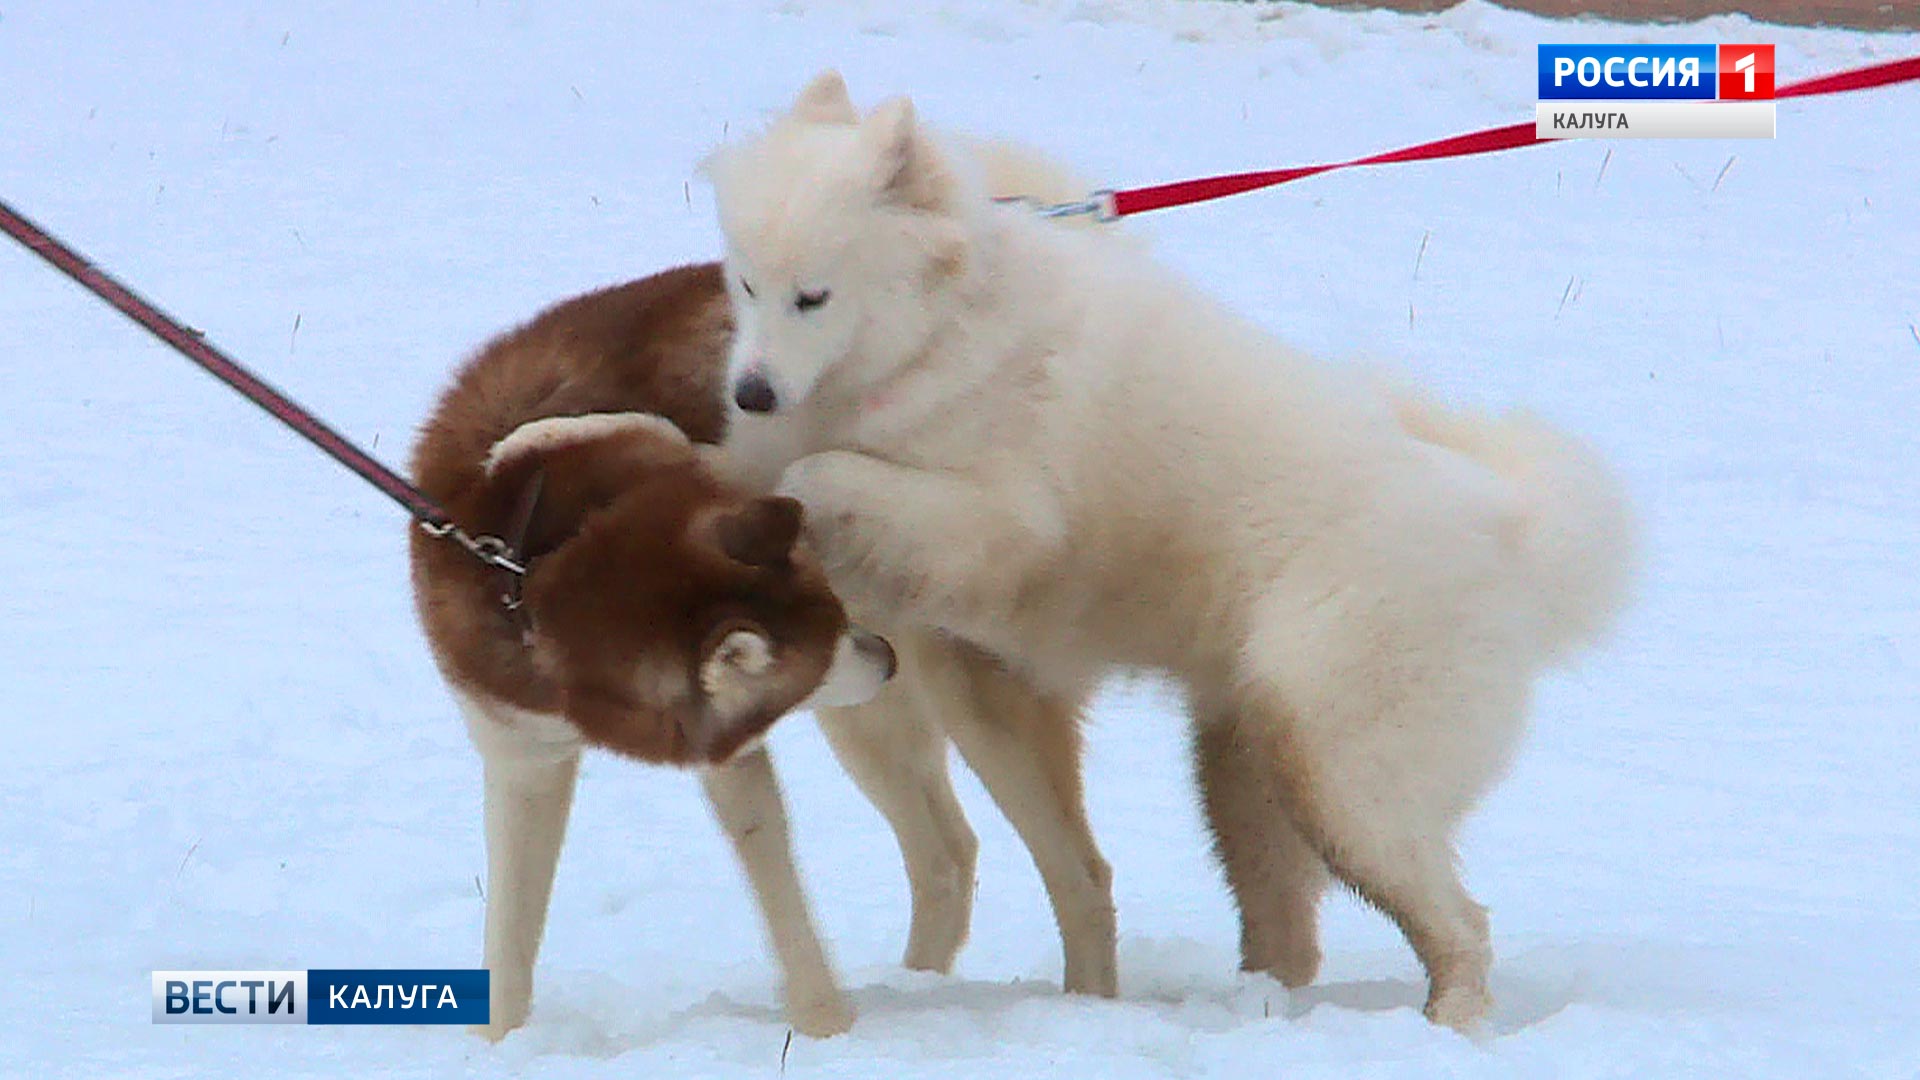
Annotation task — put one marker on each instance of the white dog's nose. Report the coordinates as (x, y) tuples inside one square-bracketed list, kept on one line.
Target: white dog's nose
[(754, 392)]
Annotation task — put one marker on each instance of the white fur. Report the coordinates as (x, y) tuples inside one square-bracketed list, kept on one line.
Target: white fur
[(856, 675), (1042, 442), (549, 433)]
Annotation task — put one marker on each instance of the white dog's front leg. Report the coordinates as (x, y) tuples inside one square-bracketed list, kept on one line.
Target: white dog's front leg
[(530, 768), (949, 550), (746, 799)]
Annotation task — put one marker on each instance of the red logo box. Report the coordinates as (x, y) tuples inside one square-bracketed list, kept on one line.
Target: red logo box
[(1746, 73)]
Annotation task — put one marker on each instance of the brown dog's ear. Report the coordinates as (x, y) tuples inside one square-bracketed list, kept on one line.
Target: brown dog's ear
[(761, 533), (735, 664), (733, 658)]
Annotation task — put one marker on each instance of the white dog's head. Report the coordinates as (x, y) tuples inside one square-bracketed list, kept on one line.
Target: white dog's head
[(839, 231)]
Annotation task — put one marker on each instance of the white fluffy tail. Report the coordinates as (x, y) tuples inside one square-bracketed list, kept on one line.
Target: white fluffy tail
[(1578, 536)]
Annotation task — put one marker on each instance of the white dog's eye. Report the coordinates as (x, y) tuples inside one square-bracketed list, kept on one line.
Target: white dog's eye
[(807, 301), (746, 288)]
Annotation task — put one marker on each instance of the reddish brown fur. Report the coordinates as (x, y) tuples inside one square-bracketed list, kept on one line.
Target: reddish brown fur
[(641, 560)]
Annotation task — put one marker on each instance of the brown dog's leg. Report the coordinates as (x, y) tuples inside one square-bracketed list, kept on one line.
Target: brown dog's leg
[(746, 799), (530, 768)]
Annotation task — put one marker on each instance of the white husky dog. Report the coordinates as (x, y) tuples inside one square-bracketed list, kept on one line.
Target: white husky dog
[(1040, 442)]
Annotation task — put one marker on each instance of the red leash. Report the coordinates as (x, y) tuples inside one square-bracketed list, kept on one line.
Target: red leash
[(1106, 205), (193, 346), (1118, 204)]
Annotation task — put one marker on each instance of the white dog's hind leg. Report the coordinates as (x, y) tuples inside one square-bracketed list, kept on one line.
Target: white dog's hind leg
[(1410, 874), (897, 754), (530, 764), (1276, 876), (746, 799), (1363, 791)]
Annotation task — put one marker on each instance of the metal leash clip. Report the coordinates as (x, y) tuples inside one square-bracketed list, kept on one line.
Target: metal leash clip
[(1099, 206), (488, 549)]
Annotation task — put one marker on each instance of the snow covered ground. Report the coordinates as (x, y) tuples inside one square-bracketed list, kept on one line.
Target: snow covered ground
[(227, 748)]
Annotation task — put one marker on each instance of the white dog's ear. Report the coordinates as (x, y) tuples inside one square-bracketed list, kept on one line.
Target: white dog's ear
[(908, 168), (944, 241), (825, 101), (714, 168)]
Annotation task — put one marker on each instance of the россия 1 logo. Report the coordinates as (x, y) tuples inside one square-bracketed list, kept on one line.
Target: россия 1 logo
[(1655, 92)]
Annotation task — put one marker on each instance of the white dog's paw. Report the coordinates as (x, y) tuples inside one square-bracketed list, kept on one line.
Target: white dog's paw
[(875, 560), (1461, 1007), (821, 1015), (828, 486)]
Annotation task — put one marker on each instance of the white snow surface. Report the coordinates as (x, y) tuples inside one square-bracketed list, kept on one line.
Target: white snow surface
[(227, 747)]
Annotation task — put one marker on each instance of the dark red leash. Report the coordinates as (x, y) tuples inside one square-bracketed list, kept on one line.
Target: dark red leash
[(1108, 205), (194, 347)]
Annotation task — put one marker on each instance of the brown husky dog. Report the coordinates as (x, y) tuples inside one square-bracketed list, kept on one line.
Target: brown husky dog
[(665, 613)]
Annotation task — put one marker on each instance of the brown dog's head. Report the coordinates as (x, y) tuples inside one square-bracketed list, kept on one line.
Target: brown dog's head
[(679, 617)]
